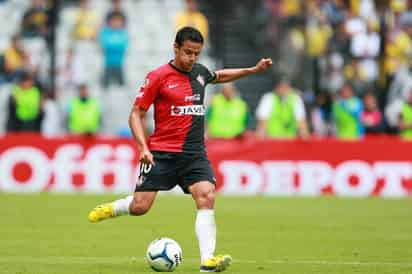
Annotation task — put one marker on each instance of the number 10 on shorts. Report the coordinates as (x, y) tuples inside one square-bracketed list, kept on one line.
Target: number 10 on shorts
[(144, 171)]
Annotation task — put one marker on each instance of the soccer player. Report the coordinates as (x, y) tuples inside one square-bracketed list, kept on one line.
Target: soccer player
[(175, 153)]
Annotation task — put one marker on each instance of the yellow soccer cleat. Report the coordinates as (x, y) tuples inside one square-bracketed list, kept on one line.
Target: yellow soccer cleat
[(216, 264), (101, 212)]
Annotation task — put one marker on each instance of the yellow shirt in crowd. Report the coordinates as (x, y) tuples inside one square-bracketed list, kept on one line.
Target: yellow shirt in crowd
[(193, 19), (291, 7), (86, 25), (13, 59), (317, 39), (397, 51)]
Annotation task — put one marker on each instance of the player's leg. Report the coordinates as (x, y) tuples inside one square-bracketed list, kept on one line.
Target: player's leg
[(199, 180), (137, 204), (203, 193), (161, 176), (204, 196), (141, 203)]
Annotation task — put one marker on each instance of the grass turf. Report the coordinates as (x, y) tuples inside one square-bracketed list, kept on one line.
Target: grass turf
[(46, 233)]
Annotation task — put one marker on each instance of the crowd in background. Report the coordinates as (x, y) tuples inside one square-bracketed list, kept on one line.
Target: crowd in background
[(351, 61), (342, 67)]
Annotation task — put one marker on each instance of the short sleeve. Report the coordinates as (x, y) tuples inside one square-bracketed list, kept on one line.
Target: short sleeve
[(392, 112), (265, 107), (148, 91), (299, 111), (208, 75)]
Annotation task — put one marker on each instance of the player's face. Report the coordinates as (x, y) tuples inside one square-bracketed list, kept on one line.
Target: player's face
[(26, 84), (187, 54), (370, 102), (346, 92), (283, 89)]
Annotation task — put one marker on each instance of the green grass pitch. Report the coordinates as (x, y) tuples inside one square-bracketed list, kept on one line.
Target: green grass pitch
[(46, 233)]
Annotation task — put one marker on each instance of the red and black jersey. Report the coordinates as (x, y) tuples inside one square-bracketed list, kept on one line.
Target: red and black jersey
[(178, 107)]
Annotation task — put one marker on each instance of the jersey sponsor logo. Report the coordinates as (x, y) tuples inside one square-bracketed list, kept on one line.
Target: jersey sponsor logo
[(198, 110), (172, 86), (194, 97), (201, 80)]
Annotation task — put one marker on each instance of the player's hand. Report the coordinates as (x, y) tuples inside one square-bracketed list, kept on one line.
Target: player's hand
[(263, 64), (146, 157)]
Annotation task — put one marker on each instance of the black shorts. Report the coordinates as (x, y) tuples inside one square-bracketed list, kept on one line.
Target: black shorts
[(173, 169)]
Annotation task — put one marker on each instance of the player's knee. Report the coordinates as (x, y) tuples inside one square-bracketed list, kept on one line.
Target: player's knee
[(210, 197), (207, 199), (138, 209)]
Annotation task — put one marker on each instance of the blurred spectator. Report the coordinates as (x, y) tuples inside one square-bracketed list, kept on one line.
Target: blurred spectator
[(192, 17), (51, 125), (405, 119), (366, 44), (399, 44), (340, 41), (2, 70), (392, 114), (318, 33), (286, 35), (320, 115), (15, 59), (25, 106), (354, 24), (372, 118), (332, 64), (35, 30), (347, 112), (331, 76), (116, 9), (398, 6), (291, 53), (291, 8), (334, 11), (84, 115), (35, 20), (399, 88), (72, 72), (281, 114), (227, 115), (366, 47), (86, 22), (364, 8), (114, 42), (354, 73)]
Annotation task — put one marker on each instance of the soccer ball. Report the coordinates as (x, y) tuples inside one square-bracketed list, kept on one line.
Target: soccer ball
[(164, 255)]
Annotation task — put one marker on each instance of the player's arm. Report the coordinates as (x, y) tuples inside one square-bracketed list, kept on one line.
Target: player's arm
[(402, 125), (145, 98), (300, 116), (261, 129), (136, 118), (303, 130), (228, 75)]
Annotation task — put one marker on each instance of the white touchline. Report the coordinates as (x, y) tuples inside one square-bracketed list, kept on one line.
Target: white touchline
[(84, 260)]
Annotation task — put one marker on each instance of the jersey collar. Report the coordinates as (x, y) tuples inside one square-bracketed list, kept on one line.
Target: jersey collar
[(178, 69)]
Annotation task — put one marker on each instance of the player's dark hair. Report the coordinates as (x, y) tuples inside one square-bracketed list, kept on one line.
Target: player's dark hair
[(25, 76), (188, 33), (349, 85)]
